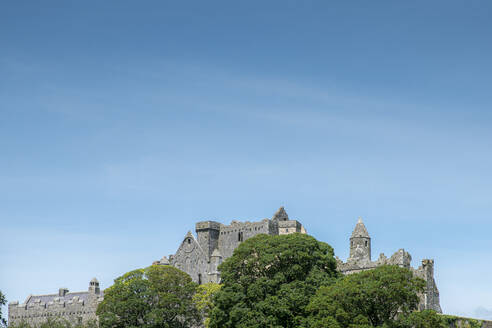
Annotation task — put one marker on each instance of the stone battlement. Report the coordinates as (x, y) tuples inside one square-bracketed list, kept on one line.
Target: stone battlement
[(207, 225)]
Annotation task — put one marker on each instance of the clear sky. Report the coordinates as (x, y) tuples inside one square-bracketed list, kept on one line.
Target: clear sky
[(122, 123)]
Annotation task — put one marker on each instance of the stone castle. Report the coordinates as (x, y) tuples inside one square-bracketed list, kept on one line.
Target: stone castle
[(215, 242), (76, 308), (200, 257)]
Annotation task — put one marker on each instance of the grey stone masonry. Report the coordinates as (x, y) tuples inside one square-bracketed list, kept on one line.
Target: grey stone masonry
[(360, 260), (200, 256), (77, 308)]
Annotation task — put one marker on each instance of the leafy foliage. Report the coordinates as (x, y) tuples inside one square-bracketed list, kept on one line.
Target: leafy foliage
[(155, 297), (367, 299), (3, 301), (204, 299), (269, 281)]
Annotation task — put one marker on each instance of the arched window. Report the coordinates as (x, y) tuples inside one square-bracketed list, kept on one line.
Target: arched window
[(366, 243)]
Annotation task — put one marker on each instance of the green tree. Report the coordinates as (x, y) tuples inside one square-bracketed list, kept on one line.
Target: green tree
[(155, 297), (269, 280), (367, 299), (3, 301), (204, 300)]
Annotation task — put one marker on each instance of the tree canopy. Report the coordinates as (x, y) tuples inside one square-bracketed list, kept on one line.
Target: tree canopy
[(155, 297), (367, 299), (269, 281)]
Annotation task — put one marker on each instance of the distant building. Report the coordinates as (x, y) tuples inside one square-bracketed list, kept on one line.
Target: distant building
[(360, 260), (77, 308)]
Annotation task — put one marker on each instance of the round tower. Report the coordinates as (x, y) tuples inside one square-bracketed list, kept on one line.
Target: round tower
[(94, 286), (360, 243)]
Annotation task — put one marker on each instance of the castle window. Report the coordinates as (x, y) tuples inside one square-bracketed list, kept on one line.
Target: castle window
[(352, 243), (189, 241), (199, 278), (240, 236), (366, 243)]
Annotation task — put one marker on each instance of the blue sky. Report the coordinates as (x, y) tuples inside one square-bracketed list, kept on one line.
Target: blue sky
[(124, 122)]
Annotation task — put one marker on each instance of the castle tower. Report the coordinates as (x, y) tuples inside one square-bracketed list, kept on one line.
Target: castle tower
[(208, 236), (283, 225), (94, 286), (360, 243)]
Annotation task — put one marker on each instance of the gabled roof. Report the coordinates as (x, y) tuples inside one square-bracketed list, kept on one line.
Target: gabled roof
[(189, 235), (83, 296), (194, 240), (360, 230)]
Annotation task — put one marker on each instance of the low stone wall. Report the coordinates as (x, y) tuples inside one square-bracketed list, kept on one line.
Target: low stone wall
[(458, 322)]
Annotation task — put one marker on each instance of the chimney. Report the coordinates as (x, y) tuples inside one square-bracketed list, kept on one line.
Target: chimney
[(62, 292)]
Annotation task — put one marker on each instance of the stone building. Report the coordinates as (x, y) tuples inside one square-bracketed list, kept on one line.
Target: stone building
[(76, 307), (360, 260), (214, 242)]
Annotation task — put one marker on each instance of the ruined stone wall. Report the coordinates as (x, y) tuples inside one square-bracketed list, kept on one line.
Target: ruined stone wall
[(232, 235), (428, 300)]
